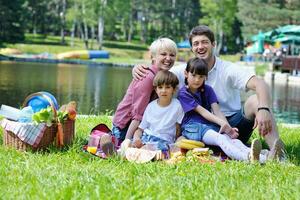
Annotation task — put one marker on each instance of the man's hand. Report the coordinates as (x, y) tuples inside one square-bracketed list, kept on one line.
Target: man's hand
[(231, 132), (139, 71), (263, 120)]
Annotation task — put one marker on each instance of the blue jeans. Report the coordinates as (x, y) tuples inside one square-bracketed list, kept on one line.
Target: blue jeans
[(161, 144), (195, 130), (244, 125), (119, 133)]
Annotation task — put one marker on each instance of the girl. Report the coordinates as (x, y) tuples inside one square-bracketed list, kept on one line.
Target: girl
[(203, 117)]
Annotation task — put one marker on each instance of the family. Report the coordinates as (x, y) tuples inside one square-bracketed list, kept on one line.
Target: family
[(199, 100)]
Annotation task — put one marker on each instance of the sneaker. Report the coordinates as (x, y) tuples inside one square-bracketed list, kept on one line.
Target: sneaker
[(255, 150), (277, 151), (107, 145)]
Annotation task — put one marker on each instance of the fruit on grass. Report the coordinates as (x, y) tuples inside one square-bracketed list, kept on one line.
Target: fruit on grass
[(189, 144)]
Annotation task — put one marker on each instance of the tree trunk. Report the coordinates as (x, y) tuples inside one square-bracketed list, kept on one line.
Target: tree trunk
[(101, 24), (130, 30), (92, 37), (100, 31), (63, 21), (85, 28), (73, 32)]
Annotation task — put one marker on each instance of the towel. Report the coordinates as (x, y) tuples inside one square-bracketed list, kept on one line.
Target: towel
[(27, 132)]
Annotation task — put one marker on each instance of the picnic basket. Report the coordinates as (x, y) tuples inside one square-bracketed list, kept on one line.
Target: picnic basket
[(48, 138)]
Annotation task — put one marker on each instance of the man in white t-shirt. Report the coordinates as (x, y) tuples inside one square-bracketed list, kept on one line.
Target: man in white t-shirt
[(227, 79)]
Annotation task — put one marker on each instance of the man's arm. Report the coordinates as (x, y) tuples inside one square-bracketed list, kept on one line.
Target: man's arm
[(139, 71), (263, 117)]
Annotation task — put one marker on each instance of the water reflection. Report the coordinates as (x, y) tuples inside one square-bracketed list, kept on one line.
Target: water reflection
[(99, 89)]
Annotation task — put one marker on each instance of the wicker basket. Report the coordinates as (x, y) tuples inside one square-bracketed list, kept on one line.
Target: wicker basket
[(11, 140)]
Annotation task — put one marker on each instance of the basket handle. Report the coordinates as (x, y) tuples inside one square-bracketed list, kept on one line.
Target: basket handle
[(44, 96)]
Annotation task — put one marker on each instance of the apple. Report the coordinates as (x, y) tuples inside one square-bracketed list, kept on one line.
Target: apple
[(71, 113)]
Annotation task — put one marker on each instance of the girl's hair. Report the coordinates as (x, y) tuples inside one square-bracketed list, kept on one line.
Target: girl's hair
[(165, 78), (196, 66), (162, 43)]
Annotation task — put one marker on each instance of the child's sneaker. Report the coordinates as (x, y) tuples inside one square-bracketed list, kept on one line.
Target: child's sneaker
[(107, 145), (277, 151), (255, 150)]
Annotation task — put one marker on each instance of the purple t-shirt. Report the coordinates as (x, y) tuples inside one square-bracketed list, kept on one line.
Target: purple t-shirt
[(189, 101)]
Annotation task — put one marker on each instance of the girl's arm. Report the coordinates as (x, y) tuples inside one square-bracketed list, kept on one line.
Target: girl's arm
[(178, 131), (231, 132), (209, 116), (216, 110), (132, 128)]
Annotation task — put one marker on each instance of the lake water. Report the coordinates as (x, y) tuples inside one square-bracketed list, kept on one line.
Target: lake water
[(99, 89)]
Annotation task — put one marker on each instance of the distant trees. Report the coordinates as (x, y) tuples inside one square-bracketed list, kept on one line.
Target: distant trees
[(265, 15), (12, 27), (127, 20)]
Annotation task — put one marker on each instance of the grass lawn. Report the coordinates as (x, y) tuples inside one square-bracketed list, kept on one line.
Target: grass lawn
[(73, 174)]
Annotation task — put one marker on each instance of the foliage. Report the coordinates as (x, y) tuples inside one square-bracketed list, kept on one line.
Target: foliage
[(263, 15), (11, 25), (74, 174)]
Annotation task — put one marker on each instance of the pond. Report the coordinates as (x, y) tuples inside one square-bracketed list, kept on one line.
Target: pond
[(98, 89)]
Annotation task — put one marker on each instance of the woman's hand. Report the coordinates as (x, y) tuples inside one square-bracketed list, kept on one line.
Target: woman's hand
[(139, 71), (137, 143)]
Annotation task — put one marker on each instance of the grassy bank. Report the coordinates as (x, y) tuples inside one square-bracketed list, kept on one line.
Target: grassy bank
[(120, 52), (73, 174)]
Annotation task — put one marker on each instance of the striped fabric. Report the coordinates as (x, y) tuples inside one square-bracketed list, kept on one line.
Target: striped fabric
[(27, 132)]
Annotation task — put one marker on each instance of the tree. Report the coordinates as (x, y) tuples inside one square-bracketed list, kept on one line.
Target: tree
[(11, 27), (264, 15), (220, 16)]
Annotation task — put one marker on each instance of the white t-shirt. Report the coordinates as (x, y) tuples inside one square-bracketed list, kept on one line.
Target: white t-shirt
[(161, 121), (227, 79)]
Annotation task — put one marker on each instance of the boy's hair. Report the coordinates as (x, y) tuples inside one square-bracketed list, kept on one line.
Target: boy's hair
[(165, 78), (196, 66), (202, 30), (162, 43)]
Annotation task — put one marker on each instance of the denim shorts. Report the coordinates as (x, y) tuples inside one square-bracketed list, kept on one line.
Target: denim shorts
[(161, 144), (196, 130), (244, 125), (119, 133)]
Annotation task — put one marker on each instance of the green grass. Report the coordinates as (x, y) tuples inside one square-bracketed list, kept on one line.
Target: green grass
[(261, 69), (73, 174)]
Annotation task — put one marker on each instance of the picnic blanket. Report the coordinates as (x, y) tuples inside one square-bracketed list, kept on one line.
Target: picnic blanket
[(27, 132)]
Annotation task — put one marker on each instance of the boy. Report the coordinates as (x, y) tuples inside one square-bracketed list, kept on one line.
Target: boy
[(162, 118), (139, 93)]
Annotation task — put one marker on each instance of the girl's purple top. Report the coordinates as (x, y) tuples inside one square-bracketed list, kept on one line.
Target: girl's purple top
[(189, 101)]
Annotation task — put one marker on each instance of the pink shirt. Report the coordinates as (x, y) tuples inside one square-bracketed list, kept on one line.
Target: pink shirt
[(135, 101)]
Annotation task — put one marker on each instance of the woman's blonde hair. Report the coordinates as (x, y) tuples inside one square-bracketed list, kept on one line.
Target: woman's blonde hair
[(162, 43)]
